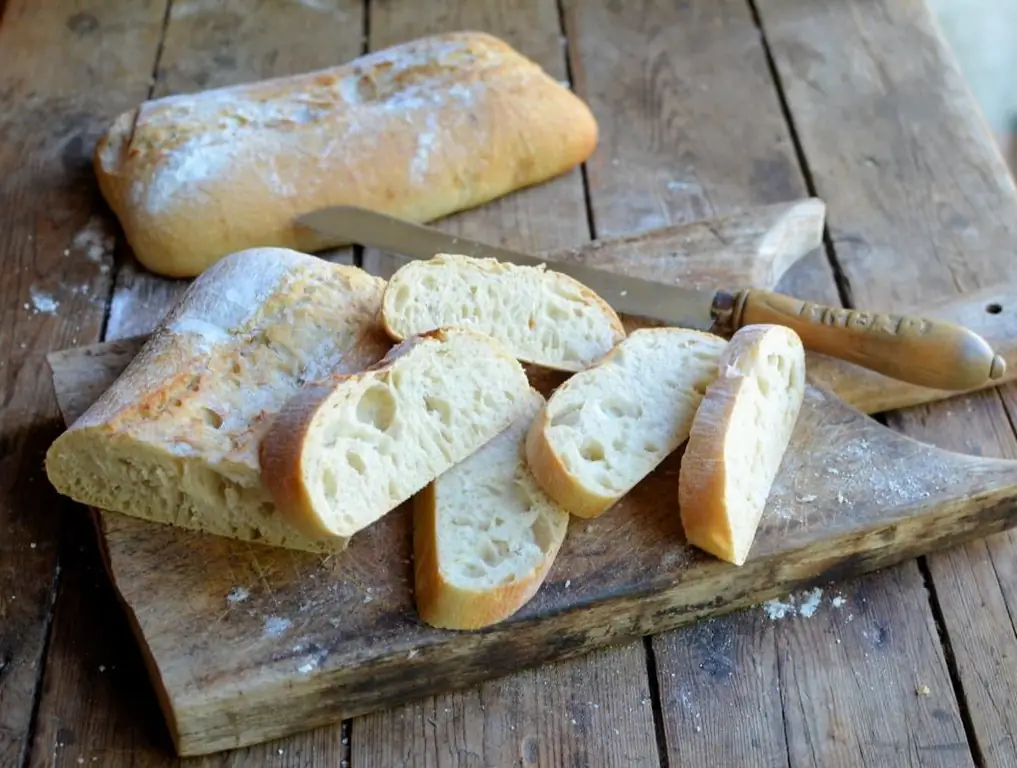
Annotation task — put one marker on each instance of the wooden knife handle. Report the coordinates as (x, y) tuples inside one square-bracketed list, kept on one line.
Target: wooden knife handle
[(929, 353)]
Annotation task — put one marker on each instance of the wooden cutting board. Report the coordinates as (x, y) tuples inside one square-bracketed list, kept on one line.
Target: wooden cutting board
[(246, 643)]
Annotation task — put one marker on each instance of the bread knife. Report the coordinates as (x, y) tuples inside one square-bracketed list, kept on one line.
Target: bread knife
[(917, 350)]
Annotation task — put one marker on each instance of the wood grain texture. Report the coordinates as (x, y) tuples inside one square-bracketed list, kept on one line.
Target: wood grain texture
[(550, 721), (211, 45), (338, 637), (975, 584), (921, 208), (109, 714), (671, 84), (64, 70), (863, 679)]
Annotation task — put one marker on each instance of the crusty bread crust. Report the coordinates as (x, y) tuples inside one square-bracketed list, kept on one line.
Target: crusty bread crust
[(712, 483), (174, 439), (419, 130), (281, 451), (544, 317), (441, 601), (289, 457), (566, 485)]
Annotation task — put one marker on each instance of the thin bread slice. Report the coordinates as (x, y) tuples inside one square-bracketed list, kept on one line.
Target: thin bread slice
[(738, 439), (344, 452), (608, 427), (542, 316), (175, 439), (484, 534)]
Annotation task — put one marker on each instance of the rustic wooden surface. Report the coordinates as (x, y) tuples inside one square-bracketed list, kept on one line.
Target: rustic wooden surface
[(863, 110), (315, 639)]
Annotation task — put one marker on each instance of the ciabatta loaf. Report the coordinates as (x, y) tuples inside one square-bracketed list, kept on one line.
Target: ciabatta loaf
[(484, 534), (345, 452), (419, 130), (175, 438), (542, 316), (608, 427), (738, 439)]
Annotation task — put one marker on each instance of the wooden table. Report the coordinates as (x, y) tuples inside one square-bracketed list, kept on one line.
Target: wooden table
[(704, 107)]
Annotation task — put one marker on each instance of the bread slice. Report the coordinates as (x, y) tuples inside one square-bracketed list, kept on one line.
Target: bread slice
[(738, 439), (421, 129), (175, 438), (609, 426), (542, 316), (484, 534), (343, 453)]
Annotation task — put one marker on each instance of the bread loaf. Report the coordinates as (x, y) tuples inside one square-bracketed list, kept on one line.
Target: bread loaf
[(175, 439), (608, 427), (542, 316), (418, 130), (484, 534), (343, 453), (738, 439)]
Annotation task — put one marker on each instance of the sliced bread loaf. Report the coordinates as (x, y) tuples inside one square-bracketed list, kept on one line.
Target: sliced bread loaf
[(175, 439), (543, 317), (609, 426), (345, 452), (738, 439), (484, 534)]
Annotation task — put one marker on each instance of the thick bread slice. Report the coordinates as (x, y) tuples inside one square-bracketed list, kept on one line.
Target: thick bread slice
[(609, 426), (175, 438), (543, 317), (739, 438), (419, 130), (484, 534), (343, 453)]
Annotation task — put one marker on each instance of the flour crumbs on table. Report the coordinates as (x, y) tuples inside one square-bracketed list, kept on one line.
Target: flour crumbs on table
[(804, 604)]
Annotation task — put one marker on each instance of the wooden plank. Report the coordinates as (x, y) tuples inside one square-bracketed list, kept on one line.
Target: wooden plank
[(671, 85), (63, 71), (921, 207), (110, 715), (974, 585), (582, 711)]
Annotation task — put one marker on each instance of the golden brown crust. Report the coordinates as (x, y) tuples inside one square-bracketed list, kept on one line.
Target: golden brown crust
[(421, 130), (703, 474), (703, 477), (444, 605), (281, 451), (555, 479)]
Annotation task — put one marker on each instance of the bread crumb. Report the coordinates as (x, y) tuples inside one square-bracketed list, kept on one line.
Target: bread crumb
[(102, 667), (568, 583), (837, 602), (275, 626), (237, 595), (809, 607), (923, 690)]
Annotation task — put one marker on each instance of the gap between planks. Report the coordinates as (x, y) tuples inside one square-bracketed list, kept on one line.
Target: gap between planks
[(29, 750)]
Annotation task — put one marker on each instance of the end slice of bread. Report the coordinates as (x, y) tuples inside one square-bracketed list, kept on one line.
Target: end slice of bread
[(175, 439), (608, 427), (346, 451), (544, 317), (484, 534), (738, 439)]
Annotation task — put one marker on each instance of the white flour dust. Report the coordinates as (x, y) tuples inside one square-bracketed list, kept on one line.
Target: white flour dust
[(805, 605)]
